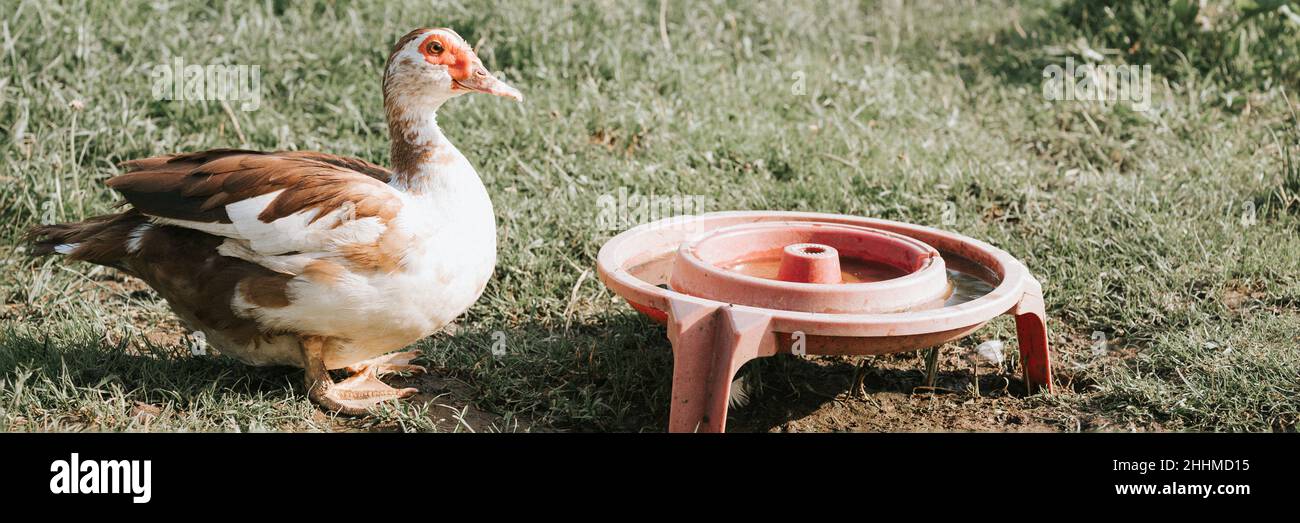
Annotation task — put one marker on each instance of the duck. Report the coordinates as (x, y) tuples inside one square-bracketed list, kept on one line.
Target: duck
[(308, 259)]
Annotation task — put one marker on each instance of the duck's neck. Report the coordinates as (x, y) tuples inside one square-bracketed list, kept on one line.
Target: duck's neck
[(421, 156)]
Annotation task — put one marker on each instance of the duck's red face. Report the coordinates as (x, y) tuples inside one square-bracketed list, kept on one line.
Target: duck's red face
[(444, 49)]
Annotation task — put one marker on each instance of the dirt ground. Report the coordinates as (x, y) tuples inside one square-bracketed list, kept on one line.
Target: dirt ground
[(816, 395)]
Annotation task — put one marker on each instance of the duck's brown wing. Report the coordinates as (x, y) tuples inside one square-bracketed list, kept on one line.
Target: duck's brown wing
[(356, 164), (277, 202), (377, 172)]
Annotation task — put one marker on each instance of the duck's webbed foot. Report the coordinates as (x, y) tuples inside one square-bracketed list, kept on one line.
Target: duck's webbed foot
[(354, 396)]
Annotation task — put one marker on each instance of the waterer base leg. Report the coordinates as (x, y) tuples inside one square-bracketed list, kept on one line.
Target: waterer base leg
[(710, 343), (1031, 332)]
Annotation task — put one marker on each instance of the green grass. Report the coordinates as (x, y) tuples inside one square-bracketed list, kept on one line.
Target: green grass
[(1173, 233), (1239, 43)]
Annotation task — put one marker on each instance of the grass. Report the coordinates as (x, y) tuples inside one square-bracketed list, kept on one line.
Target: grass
[(1240, 43), (1166, 241)]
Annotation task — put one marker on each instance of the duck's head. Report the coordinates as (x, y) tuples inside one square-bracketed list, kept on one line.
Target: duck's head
[(430, 66)]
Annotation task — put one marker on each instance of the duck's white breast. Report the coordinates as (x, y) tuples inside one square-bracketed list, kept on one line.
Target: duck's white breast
[(452, 256)]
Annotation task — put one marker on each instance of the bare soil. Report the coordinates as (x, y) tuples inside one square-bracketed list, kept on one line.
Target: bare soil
[(816, 395)]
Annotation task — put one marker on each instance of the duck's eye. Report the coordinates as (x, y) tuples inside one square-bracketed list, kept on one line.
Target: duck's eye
[(435, 47)]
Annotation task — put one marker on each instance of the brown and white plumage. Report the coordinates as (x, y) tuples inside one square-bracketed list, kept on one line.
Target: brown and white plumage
[(310, 259)]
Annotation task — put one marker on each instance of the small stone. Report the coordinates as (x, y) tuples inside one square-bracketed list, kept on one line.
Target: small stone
[(991, 351)]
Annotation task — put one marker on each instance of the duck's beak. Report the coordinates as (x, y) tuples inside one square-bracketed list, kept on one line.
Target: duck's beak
[(481, 81)]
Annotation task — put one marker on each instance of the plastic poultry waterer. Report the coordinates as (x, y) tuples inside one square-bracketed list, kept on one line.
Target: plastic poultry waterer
[(733, 286)]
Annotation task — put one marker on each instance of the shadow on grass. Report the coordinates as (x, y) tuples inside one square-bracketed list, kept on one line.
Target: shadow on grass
[(595, 376), (783, 388), (153, 375), (614, 373), (607, 373), (611, 373), (789, 388), (1016, 55)]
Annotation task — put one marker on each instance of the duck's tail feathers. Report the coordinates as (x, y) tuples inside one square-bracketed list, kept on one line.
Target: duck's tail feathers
[(105, 240)]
